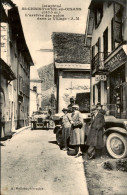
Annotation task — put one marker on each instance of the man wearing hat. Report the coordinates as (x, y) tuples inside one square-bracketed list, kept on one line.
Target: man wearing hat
[(77, 134), (95, 135), (72, 102), (66, 123)]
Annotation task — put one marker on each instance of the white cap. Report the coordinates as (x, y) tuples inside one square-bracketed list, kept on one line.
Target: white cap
[(75, 106)]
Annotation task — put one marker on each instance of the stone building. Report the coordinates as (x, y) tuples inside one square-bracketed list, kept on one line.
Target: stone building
[(106, 34), (16, 62), (72, 69)]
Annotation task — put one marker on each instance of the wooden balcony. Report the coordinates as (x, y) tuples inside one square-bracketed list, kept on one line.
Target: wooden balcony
[(98, 63)]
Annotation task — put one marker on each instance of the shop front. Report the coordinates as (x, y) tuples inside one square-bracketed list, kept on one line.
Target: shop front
[(117, 82)]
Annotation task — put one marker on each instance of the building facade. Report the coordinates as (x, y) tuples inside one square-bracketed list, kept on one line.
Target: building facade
[(106, 35), (35, 91), (72, 70), (16, 62)]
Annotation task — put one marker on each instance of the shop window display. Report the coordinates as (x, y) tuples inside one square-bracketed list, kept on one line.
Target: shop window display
[(117, 92)]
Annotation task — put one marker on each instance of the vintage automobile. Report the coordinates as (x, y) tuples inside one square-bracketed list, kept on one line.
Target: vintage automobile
[(115, 134), (40, 119)]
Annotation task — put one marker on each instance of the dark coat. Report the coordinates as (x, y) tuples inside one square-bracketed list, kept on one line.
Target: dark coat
[(95, 135)]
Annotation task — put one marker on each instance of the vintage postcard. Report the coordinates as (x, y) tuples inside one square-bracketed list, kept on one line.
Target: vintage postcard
[(63, 97)]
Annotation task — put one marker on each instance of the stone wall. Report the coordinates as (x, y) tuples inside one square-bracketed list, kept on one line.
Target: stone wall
[(46, 73)]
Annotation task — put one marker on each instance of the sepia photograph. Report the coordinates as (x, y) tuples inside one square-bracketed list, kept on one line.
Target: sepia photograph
[(63, 97)]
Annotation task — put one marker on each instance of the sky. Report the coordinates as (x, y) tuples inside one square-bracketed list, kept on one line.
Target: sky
[(38, 32)]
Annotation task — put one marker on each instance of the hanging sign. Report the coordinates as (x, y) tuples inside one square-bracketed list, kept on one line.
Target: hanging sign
[(100, 77)]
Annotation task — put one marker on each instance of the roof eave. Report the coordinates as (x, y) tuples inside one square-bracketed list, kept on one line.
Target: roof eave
[(7, 71)]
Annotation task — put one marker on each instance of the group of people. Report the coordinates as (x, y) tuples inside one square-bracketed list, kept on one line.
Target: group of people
[(80, 135)]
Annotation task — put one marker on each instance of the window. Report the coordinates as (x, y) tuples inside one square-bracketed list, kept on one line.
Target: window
[(96, 48), (20, 84), (99, 91), (105, 41), (93, 51), (117, 26), (35, 88), (117, 89), (94, 94), (98, 15)]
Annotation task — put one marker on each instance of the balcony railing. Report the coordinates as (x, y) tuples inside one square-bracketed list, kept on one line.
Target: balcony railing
[(98, 62)]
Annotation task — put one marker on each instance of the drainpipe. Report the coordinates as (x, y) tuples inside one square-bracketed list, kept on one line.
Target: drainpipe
[(91, 89), (18, 55)]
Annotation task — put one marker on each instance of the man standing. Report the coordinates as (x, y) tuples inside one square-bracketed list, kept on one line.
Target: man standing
[(72, 102), (95, 136)]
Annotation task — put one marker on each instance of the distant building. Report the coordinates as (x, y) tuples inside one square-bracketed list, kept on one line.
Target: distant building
[(48, 88), (15, 70), (72, 67), (106, 34), (35, 91)]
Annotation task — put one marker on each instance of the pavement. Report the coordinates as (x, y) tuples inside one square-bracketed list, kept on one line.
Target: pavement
[(16, 131), (32, 163), (13, 133)]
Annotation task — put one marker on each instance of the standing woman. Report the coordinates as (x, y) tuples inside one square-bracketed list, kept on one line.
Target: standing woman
[(66, 124), (77, 135)]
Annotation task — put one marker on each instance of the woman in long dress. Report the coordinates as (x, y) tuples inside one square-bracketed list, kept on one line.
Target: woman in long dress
[(77, 135)]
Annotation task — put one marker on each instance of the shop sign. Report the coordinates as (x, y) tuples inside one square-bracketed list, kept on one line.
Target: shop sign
[(100, 77), (3, 42), (116, 61)]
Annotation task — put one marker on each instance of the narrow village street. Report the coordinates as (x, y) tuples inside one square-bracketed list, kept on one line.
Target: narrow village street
[(32, 163), (63, 69)]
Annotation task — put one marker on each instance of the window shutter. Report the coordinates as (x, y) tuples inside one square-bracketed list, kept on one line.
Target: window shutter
[(112, 34), (118, 32), (93, 51), (99, 44), (117, 26)]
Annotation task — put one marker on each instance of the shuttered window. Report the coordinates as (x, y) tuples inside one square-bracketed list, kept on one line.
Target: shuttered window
[(105, 41), (117, 26), (98, 14)]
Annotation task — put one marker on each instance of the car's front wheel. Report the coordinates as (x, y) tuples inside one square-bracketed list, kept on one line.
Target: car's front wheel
[(117, 145)]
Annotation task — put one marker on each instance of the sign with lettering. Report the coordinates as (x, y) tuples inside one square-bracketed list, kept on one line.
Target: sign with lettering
[(3, 44), (116, 61), (100, 77)]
